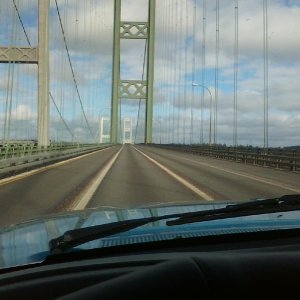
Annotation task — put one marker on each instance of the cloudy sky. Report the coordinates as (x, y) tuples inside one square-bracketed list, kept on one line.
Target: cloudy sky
[(179, 57)]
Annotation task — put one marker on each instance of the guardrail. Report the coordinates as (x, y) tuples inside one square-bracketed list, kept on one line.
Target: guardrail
[(274, 157), (12, 150), (15, 158)]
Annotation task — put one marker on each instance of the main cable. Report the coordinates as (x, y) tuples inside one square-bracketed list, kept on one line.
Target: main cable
[(72, 70), (21, 22), (55, 105), (140, 100), (28, 41)]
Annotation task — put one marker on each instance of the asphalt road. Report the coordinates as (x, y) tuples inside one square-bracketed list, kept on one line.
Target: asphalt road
[(139, 176), (134, 180), (225, 180), (50, 190)]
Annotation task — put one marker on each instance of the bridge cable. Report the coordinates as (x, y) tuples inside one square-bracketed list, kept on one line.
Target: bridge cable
[(165, 50), (21, 22), (177, 72), (236, 62), (203, 71), (169, 72), (193, 72), (185, 70), (140, 100), (217, 71), (55, 105), (266, 73), (180, 64), (10, 85), (29, 43), (173, 22), (72, 70)]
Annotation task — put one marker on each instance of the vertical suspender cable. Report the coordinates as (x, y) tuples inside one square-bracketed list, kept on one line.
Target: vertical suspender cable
[(173, 72), (177, 80), (10, 84), (159, 89), (217, 71), (180, 65), (165, 68), (169, 69), (185, 70), (236, 62), (193, 72), (167, 72), (203, 71), (266, 74)]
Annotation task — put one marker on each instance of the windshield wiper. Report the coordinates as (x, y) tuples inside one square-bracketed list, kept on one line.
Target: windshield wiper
[(76, 237), (73, 238), (251, 208)]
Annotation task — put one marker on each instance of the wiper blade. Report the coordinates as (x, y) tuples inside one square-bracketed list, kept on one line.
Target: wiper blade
[(250, 208), (76, 237)]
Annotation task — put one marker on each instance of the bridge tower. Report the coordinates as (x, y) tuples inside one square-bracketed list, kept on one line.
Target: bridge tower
[(127, 131), (133, 89), (104, 132), (36, 55)]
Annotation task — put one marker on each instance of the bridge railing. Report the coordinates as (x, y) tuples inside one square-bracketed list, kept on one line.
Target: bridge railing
[(14, 150), (274, 158), (17, 155)]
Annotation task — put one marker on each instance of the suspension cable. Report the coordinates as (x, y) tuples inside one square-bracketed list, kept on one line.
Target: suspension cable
[(203, 71), (193, 71), (217, 71), (72, 70), (21, 22), (57, 109), (140, 100), (236, 62), (266, 74), (28, 41)]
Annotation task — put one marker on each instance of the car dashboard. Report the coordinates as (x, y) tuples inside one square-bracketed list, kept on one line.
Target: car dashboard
[(251, 265)]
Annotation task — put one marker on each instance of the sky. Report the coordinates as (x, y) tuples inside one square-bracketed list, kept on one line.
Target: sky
[(182, 110)]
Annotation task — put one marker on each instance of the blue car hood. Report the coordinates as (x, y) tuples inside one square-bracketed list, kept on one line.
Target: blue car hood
[(27, 242)]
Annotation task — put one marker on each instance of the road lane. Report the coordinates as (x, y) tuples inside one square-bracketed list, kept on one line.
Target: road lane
[(227, 180), (134, 180), (51, 190)]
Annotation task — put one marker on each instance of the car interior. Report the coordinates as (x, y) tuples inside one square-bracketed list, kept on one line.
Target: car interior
[(231, 266)]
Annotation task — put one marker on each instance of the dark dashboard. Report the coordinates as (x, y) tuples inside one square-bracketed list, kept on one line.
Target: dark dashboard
[(258, 265)]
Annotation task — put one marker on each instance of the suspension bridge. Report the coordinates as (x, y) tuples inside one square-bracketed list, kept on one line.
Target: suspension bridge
[(173, 78)]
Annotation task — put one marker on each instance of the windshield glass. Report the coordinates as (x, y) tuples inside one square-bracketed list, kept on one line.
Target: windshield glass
[(132, 104)]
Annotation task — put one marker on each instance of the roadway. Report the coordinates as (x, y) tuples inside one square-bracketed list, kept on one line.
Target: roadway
[(128, 175)]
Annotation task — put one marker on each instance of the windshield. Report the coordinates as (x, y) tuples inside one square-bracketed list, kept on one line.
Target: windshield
[(132, 104)]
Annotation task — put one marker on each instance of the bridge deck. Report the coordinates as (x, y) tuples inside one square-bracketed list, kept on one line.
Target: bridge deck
[(140, 175)]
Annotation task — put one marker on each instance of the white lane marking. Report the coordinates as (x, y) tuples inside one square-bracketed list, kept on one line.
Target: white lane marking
[(252, 177), (86, 195), (184, 182), (42, 169)]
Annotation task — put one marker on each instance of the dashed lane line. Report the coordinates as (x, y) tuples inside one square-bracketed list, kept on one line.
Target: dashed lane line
[(178, 178), (251, 177)]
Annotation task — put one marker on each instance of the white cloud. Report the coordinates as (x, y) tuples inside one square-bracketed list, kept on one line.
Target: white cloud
[(89, 33), (23, 112)]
